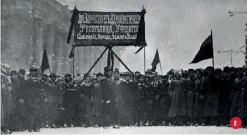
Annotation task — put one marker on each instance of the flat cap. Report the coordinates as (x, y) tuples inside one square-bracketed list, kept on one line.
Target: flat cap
[(99, 74), (33, 69), (13, 72), (22, 71), (67, 75), (53, 75)]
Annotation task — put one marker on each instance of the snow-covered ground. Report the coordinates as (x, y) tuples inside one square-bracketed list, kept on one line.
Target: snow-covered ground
[(142, 130)]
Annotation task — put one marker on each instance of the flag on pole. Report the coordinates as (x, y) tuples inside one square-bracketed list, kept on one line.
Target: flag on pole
[(73, 19), (72, 52), (246, 44), (141, 40), (45, 62), (156, 61), (206, 50)]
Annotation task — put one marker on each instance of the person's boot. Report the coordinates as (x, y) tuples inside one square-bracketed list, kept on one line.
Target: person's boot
[(6, 131), (116, 126), (36, 129)]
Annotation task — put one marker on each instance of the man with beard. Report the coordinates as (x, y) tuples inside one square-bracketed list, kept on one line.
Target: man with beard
[(69, 98), (107, 99)]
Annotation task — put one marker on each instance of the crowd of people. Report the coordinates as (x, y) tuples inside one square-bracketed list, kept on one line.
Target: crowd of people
[(179, 98)]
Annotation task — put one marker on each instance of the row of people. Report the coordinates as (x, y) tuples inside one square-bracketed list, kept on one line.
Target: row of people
[(195, 97)]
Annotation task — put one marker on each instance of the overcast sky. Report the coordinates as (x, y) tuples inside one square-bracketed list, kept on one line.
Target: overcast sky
[(178, 27)]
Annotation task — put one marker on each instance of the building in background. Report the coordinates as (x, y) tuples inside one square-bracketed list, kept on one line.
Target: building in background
[(29, 25), (246, 44)]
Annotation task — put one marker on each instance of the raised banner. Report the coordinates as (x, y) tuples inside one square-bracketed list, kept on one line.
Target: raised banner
[(106, 28)]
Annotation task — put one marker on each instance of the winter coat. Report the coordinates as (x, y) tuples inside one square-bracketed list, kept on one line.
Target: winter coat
[(177, 92)]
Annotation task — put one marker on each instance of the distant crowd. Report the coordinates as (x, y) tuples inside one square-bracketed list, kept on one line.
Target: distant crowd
[(179, 98)]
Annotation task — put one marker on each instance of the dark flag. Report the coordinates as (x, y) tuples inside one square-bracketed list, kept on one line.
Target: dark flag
[(110, 60), (156, 61), (45, 62), (206, 50), (72, 52), (141, 40), (73, 19)]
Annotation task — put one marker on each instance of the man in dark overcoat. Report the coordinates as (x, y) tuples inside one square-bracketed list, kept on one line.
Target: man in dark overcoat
[(69, 98), (108, 114), (33, 100)]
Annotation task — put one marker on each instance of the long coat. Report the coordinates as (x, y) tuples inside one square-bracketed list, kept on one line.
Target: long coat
[(165, 101), (237, 97), (97, 100), (86, 101), (54, 96), (128, 92), (108, 102), (200, 99), (190, 97), (7, 104), (211, 98), (177, 92), (121, 107)]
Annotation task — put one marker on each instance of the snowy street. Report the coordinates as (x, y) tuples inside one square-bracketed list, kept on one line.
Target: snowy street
[(142, 130)]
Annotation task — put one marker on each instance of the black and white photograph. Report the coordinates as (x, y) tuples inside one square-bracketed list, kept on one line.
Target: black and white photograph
[(123, 67)]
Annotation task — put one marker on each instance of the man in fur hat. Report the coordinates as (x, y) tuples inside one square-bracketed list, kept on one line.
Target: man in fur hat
[(165, 101), (140, 104), (32, 99), (97, 101), (86, 89), (107, 99), (178, 94), (130, 89), (69, 98), (53, 100), (211, 96)]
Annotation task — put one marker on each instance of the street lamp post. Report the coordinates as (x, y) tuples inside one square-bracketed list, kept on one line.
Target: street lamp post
[(232, 13), (231, 51)]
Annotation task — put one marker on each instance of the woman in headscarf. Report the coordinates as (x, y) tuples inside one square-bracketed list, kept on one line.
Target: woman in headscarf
[(178, 94)]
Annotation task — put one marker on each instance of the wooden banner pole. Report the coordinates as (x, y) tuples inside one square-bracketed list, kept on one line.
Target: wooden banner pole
[(121, 61), (95, 63)]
